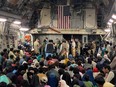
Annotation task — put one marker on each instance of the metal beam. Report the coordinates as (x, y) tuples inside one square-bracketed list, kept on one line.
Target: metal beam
[(112, 9), (9, 15)]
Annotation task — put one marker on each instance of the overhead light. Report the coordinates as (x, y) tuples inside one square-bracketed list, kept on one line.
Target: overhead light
[(109, 23), (3, 19), (111, 20), (114, 16), (24, 29), (107, 30), (17, 22)]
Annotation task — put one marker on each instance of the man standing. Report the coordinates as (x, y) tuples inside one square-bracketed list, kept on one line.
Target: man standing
[(49, 49), (36, 46), (110, 75), (73, 45)]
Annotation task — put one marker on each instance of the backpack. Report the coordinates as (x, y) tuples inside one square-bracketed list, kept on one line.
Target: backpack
[(49, 48)]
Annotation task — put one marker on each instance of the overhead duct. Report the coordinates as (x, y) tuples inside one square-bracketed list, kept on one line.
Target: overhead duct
[(2, 3), (9, 15), (14, 2)]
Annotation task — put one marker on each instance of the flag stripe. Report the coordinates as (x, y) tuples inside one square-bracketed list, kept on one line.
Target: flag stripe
[(63, 20)]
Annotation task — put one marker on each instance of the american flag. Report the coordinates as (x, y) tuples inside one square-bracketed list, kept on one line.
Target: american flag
[(63, 21)]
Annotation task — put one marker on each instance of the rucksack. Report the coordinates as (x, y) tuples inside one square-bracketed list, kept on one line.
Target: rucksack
[(49, 48)]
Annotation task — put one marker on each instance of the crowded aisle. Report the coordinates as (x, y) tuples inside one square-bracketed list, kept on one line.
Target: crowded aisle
[(60, 64), (57, 43)]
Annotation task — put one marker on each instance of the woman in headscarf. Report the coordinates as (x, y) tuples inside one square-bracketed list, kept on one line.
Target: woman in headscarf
[(67, 78)]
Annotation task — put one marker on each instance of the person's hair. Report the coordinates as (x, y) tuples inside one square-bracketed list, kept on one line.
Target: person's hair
[(11, 56), (107, 42), (86, 77), (75, 82), (50, 40), (67, 78), (41, 64), (4, 50), (61, 71), (106, 52), (62, 65), (51, 66), (99, 80), (71, 68), (18, 51), (11, 49), (3, 84), (57, 63), (64, 41), (89, 60), (76, 70), (24, 83), (78, 76), (79, 62), (107, 67), (48, 57)]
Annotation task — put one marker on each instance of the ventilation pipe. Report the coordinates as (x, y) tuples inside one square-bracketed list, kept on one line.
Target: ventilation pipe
[(13, 2)]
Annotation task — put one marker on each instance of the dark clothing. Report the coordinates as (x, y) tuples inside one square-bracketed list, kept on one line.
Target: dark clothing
[(53, 78), (91, 78), (49, 48), (35, 81)]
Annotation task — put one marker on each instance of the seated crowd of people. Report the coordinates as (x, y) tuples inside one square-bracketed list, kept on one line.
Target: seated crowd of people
[(23, 68)]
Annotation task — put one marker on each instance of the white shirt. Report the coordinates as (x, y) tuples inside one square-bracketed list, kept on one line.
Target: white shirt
[(110, 76), (73, 44)]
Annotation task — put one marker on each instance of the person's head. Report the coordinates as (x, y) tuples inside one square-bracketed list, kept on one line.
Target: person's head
[(77, 76), (19, 47), (106, 69), (62, 65), (61, 71), (75, 82), (4, 50), (79, 63), (71, 68), (24, 83), (76, 70), (106, 52), (51, 41), (3, 84), (29, 75), (32, 70), (10, 85), (67, 78), (37, 39), (86, 77), (64, 41), (11, 49), (52, 66), (11, 56), (100, 80), (89, 61)]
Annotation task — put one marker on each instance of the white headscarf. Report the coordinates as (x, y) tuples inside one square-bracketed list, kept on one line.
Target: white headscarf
[(107, 84), (62, 83)]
